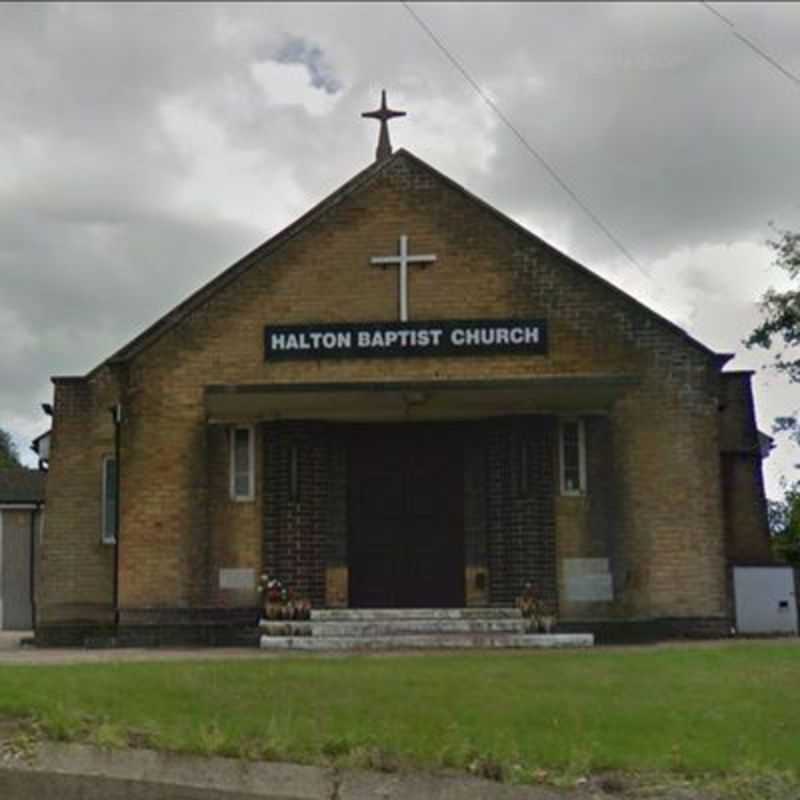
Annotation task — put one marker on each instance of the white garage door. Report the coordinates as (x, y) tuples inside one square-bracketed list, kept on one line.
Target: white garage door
[(765, 600)]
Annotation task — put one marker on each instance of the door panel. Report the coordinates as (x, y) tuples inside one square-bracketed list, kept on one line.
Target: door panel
[(765, 600), (15, 570), (406, 511)]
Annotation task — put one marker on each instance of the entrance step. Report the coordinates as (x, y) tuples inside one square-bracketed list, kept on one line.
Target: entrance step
[(415, 628), (394, 626), (364, 614), (428, 641)]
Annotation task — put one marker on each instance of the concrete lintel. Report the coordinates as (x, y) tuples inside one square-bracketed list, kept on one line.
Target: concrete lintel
[(458, 385), (416, 400)]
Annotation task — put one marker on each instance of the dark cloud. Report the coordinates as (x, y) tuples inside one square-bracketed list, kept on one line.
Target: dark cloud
[(298, 50), (143, 151)]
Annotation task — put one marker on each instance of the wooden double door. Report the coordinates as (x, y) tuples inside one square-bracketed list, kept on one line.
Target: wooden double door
[(406, 538)]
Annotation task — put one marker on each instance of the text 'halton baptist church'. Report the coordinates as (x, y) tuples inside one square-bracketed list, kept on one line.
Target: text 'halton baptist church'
[(407, 339)]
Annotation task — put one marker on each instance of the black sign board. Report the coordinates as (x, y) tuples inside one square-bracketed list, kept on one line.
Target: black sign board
[(405, 339)]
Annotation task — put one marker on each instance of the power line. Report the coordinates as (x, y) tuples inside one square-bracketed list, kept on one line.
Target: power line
[(551, 170), (752, 45)]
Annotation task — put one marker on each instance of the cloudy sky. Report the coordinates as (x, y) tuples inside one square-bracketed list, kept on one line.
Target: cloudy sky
[(144, 148)]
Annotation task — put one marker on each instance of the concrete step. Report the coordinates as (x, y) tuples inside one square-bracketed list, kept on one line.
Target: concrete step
[(369, 614), (392, 627), (428, 642)]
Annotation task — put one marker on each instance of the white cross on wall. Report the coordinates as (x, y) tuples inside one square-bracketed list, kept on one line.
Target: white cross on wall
[(402, 261)]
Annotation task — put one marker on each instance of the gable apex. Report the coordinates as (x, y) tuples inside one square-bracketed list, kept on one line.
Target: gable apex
[(197, 298), (722, 358), (359, 181)]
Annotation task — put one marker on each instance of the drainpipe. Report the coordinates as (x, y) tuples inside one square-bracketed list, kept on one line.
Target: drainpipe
[(116, 415)]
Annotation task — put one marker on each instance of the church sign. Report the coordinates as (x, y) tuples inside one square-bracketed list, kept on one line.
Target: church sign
[(405, 339)]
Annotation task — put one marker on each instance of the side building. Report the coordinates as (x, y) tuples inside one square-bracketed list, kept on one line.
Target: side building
[(21, 517)]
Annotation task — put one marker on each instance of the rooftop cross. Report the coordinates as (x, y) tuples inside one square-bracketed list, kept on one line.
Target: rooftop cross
[(383, 114)]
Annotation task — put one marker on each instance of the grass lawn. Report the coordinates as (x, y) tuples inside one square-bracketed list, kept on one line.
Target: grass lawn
[(683, 712)]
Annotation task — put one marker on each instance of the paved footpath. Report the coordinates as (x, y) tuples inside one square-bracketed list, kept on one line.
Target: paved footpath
[(11, 652)]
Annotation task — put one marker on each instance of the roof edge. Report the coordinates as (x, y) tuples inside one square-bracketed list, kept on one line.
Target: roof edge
[(69, 378), (153, 332), (580, 267)]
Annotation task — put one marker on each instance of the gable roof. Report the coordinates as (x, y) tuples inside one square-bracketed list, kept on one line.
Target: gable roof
[(359, 181), (37, 442), (18, 485), (197, 298)]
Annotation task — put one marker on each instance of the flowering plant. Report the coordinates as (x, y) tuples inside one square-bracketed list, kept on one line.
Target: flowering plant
[(538, 614), (280, 603), (272, 588), (528, 604)]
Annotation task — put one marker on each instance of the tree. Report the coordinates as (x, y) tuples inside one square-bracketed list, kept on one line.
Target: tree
[(784, 524), (781, 322), (781, 326), (9, 455)]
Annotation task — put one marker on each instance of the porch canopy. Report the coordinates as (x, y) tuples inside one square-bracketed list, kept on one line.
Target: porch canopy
[(417, 400)]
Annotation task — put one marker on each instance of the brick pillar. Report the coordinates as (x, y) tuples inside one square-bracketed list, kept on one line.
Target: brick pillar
[(476, 578), (76, 579), (335, 540), (305, 506), (520, 513)]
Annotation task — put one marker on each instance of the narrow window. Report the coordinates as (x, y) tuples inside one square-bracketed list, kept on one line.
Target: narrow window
[(109, 533), (242, 464), (573, 457)]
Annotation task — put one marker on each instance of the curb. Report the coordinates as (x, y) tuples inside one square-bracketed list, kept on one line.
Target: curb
[(82, 772)]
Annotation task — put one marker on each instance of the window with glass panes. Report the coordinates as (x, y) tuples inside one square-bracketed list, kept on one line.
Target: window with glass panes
[(573, 470), (242, 463)]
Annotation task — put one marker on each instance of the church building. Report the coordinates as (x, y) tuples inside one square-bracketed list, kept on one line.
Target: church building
[(403, 400)]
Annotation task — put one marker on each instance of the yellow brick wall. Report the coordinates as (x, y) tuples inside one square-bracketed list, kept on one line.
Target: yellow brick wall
[(235, 526), (178, 525)]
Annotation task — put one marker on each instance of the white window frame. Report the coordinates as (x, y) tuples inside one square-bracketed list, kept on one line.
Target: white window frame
[(103, 505), (581, 457), (251, 465)]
